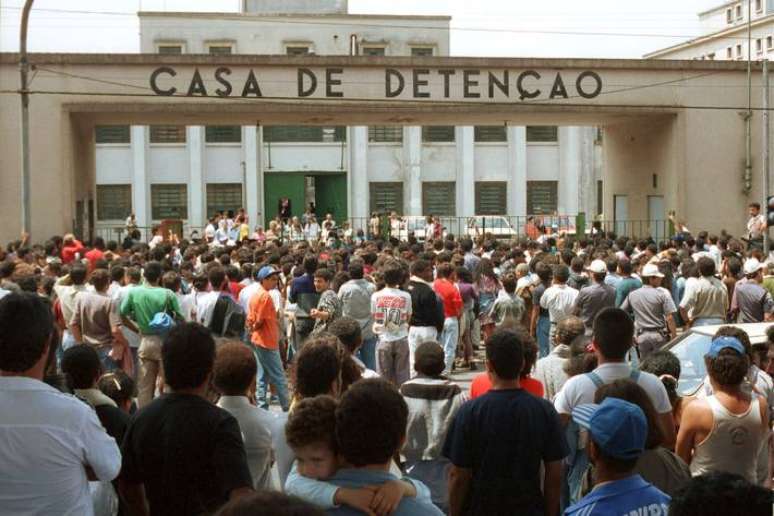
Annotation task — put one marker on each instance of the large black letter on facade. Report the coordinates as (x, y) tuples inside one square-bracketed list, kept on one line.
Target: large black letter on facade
[(155, 75), (579, 84), (524, 94), (251, 86), (330, 82), (503, 86), (558, 89), (197, 85), (389, 73), (468, 82), (446, 74), (219, 73), (417, 82), (312, 86)]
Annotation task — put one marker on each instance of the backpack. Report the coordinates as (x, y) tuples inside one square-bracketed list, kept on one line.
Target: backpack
[(228, 318)]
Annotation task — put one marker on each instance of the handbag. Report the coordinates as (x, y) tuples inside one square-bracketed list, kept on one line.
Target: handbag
[(162, 322)]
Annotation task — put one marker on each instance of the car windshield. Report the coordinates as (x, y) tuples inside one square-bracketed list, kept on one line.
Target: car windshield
[(691, 350)]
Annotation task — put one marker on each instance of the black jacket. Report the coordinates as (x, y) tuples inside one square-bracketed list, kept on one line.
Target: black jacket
[(426, 308)]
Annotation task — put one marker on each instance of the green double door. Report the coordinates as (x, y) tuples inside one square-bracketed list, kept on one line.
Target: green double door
[(330, 193)]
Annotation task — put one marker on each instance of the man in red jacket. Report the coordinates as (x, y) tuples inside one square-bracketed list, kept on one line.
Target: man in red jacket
[(446, 289), (70, 246)]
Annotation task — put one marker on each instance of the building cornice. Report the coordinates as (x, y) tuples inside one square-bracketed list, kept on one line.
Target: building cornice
[(258, 16)]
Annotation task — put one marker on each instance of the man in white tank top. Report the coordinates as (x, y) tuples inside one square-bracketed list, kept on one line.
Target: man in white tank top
[(725, 431)]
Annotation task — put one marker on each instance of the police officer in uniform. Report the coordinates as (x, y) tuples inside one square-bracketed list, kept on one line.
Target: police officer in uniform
[(653, 309)]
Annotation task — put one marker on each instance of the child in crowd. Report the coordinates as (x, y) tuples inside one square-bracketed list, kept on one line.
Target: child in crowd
[(311, 434)]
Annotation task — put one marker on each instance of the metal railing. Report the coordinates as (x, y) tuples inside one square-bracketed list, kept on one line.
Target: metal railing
[(505, 227)]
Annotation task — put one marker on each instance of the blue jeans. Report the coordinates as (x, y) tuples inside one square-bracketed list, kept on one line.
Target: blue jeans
[(707, 321), (542, 329), (367, 353), (273, 374), (108, 364), (449, 337)]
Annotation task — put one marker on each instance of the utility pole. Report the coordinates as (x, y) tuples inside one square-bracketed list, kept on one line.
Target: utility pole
[(24, 68), (766, 142), (748, 117)]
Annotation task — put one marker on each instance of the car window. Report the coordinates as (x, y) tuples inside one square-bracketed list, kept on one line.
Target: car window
[(691, 350)]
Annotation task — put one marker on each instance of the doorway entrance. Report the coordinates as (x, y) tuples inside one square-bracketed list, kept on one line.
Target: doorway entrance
[(327, 191)]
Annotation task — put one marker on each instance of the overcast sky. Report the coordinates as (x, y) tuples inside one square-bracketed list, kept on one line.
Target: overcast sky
[(507, 28)]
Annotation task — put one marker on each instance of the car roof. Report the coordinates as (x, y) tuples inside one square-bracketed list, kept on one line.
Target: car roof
[(756, 331)]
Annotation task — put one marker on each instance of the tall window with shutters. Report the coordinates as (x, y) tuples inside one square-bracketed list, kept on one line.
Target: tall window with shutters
[(439, 198), (491, 198), (114, 202), (169, 201), (223, 197), (386, 197), (542, 197), (542, 134)]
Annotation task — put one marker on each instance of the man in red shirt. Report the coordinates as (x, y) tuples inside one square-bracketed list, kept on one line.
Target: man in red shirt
[(70, 246), (447, 290), (97, 253)]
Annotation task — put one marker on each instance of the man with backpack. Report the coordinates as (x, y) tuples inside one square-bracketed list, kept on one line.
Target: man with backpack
[(263, 326), (613, 334)]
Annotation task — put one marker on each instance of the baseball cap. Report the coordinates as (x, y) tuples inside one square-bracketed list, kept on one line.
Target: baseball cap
[(597, 266), (752, 266), (724, 342), (617, 427), (651, 269), (265, 272)]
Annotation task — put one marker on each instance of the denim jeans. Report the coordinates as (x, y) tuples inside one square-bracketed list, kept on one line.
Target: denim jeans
[(367, 352), (449, 337), (270, 361), (108, 364), (542, 329)]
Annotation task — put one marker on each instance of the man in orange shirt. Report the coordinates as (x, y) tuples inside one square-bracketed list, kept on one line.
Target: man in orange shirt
[(452, 309), (263, 326)]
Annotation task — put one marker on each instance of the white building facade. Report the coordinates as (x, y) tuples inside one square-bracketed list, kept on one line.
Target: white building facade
[(190, 172), (724, 35)]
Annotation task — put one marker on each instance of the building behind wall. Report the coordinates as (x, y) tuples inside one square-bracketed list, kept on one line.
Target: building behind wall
[(189, 172)]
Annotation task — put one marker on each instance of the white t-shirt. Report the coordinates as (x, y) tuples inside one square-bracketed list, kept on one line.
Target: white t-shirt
[(580, 389), (559, 301), (391, 310)]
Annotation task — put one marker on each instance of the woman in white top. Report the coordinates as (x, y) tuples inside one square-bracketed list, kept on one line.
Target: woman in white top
[(725, 431)]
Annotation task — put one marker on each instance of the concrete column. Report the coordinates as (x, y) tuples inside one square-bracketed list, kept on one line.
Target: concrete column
[(250, 163), (140, 186), (261, 209), (412, 166), (466, 173), (587, 184), (570, 158), (517, 171), (195, 146), (358, 174)]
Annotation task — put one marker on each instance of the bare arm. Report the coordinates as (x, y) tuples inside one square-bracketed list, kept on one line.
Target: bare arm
[(667, 422), (670, 320), (459, 486), (533, 319), (75, 329), (687, 433), (552, 486), (684, 315), (130, 324)]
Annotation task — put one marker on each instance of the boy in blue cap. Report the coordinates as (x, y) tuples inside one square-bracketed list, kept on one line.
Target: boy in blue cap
[(617, 431)]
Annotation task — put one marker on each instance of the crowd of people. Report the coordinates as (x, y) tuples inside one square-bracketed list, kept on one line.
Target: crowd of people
[(232, 374)]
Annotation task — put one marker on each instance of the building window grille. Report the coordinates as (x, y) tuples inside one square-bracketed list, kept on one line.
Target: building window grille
[(437, 133), (372, 51), (439, 198), (222, 197), (491, 198), (421, 51), (490, 133), (112, 134), (542, 197), (114, 202), (386, 197), (167, 134), (739, 12), (170, 49), (303, 134), (220, 50), (385, 133), (729, 16), (169, 202), (542, 134), (223, 134), (297, 50)]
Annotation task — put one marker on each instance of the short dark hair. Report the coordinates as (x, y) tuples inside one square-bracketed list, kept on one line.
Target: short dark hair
[(117, 385), (310, 264), (26, 325), (370, 422), (78, 273), (613, 333), (317, 366), (505, 353), (429, 359), (348, 331), (234, 369), (706, 266), (216, 275), (444, 270), (324, 273), (419, 266), (754, 205), (312, 421), (152, 271), (81, 365), (719, 493), (543, 270), (171, 280), (561, 273), (392, 273), (117, 272), (269, 503), (509, 283), (188, 354)]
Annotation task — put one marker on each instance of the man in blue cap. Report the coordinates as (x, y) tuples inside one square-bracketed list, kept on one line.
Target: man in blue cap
[(617, 431), (726, 430)]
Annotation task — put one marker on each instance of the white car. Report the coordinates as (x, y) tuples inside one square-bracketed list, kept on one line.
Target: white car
[(416, 225), (494, 225), (691, 346)]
